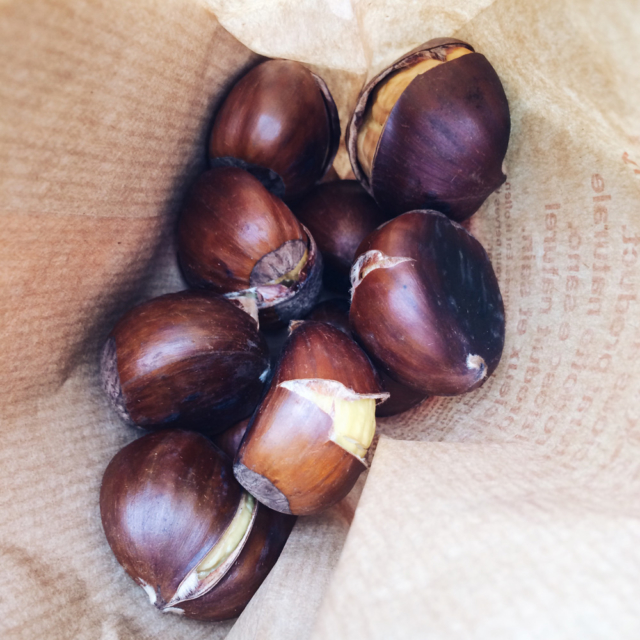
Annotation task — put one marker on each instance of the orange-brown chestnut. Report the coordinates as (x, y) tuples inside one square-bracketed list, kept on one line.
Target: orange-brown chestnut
[(183, 528), (431, 131), (426, 304), (401, 398), (306, 444), (234, 236), (339, 215), (280, 117), (185, 359), (228, 441)]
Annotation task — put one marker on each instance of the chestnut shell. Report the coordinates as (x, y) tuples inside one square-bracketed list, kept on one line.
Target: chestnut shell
[(444, 142), (185, 359), (435, 321), (281, 117), (165, 501), (286, 458), (339, 215), (234, 236)]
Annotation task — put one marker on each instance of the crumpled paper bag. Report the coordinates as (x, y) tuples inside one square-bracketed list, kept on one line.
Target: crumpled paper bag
[(509, 512)]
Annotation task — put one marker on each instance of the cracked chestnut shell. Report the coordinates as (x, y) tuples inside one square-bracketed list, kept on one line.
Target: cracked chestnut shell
[(279, 117), (185, 359), (339, 215), (307, 442), (237, 238), (401, 398), (431, 131), (184, 530), (426, 304)]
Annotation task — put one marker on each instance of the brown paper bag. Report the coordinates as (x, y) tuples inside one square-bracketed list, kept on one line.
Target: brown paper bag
[(517, 514)]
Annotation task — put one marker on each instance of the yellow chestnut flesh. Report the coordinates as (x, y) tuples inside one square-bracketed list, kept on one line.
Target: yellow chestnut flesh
[(384, 99)]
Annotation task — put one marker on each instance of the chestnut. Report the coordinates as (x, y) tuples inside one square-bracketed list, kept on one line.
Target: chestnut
[(307, 442), (228, 441), (339, 215), (234, 237), (426, 304), (431, 131), (183, 528), (185, 359), (401, 398), (280, 117)]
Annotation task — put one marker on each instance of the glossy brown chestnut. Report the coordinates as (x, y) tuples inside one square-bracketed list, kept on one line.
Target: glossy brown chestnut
[(426, 304), (184, 530), (185, 359), (401, 398), (281, 117), (431, 131), (339, 215), (234, 236), (306, 444)]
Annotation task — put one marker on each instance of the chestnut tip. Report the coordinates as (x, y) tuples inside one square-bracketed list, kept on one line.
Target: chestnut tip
[(269, 179)]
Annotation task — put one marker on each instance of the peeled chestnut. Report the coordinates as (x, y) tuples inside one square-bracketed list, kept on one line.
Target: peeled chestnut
[(183, 528), (426, 304), (235, 237), (401, 398), (279, 117), (307, 442), (339, 215), (431, 131), (185, 359)]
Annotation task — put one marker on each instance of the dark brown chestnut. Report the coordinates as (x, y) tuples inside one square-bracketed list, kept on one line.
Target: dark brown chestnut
[(183, 528), (339, 215), (185, 359), (229, 440), (235, 237), (306, 444), (426, 304), (431, 131), (401, 398), (280, 117)]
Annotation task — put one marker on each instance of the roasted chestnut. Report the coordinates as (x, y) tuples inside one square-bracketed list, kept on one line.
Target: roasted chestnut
[(426, 304), (339, 215), (279, 117), (183, 528), (235, 237), (431, 131), (306, 444), (185, 359), (401, 398)]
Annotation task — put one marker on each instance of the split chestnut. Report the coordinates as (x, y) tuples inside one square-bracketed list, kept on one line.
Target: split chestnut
[(237, 238), (431, 131), (185, 359), (426, 304), (307, 443), (183, 528)]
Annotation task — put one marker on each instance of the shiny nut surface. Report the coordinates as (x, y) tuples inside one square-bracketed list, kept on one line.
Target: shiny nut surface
[(168, 502), (426, 304), (279, 116), (185, 359), (305, 447), (436, 142)]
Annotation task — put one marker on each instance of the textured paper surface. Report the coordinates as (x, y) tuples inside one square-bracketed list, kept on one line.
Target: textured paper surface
[(523, 500)]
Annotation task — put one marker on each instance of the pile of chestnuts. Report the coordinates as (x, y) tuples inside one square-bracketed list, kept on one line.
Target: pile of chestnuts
[(244, 436)]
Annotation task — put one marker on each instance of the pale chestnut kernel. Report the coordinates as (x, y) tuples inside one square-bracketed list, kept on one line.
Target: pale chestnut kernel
[(384, 98), (353, 414)]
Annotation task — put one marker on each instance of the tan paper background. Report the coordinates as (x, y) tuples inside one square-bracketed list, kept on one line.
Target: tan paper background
[(517, 513)]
